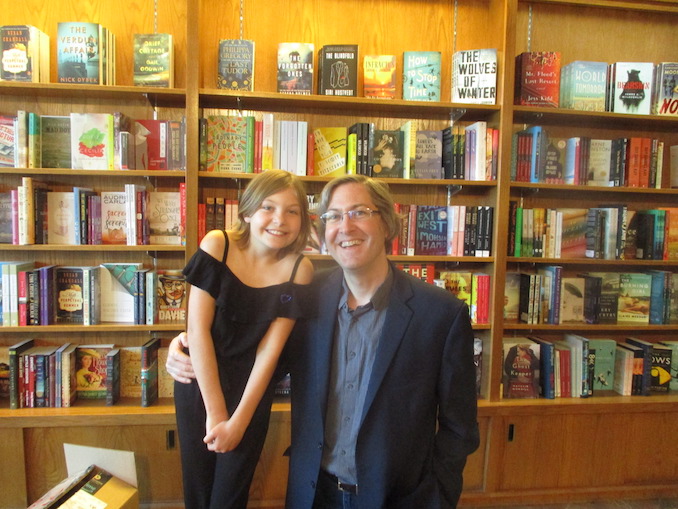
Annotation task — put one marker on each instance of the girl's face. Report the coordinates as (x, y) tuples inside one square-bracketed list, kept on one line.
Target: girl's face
[(277, 222)]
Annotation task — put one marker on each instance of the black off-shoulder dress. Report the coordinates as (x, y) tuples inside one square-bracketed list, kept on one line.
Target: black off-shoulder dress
[(242, 317)]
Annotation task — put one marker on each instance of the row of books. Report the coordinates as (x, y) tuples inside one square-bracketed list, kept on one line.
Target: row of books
[(474, 72), (91, 141), (251, 145), (33, 214), (578, 366), (611, 232), (86, 54), (641, 88), (548, 296), (439, 230), (56, 376), (126, 293), (472, 288), (580, 160)]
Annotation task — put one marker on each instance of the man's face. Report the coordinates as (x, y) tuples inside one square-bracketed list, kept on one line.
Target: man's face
[(355, 245)]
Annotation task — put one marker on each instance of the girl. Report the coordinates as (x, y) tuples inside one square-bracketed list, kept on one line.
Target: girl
[(248, 287)]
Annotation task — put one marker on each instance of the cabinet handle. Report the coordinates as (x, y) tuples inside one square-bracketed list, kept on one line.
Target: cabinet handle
[(510, 432)]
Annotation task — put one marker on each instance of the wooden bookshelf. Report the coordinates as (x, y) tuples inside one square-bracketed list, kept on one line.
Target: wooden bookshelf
[(532, 451)]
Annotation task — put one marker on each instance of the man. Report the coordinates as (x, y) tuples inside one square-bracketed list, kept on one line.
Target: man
[(383, 382)]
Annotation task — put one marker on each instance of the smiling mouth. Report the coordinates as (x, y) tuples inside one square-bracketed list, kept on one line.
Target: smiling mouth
[(278, 233), (350, 243)]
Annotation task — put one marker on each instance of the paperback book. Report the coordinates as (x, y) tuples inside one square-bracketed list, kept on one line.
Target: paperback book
[(236, 64), (90, 372), (583, 86), (82, 53), (92, 141), (230, 144), (631, 87), (329, 151), (55, 141), (171, 296), (387, 154), (521, 372), (428, 162), (164, 217), (25, 54), (665, 93)]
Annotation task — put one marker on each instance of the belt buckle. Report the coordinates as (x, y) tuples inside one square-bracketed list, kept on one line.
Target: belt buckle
[(348, 488)]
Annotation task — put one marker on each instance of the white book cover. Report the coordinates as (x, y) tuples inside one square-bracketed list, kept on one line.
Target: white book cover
[(164, 217), (61, 218), (92, 144), (600, 154), (633, 87), (117, 293), (474, 76)]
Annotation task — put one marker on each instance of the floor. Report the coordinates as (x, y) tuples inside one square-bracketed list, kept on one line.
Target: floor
[(619, 504)]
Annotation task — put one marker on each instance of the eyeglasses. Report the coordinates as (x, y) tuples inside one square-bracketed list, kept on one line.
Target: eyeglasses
[(361, 214)]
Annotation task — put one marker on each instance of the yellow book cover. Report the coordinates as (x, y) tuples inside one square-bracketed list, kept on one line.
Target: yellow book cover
[(329, 151)]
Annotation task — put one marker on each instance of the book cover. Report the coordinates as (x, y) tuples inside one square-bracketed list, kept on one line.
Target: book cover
[(423, 271), (428, 162), (608, 303), (554, 160), (149, 372), (164, 217), (165, 380), (379, 76), (474, 76), (151, 141), (92, 141), (338, 70), (20, 49), (421, 75), (70, 295), (171, 296), (295, 68), (61, 221), (573, 233), (584, 85), (632, 87), (112, 376), (130, 372), (153, 60), (55, 141), (644, 364), (79, 57), (117, 292), (673, 345), (521, 369), (572, 292), (387, 154), (7, 147), (69, 384), (329, 151), (230, 147), (90, 372), (431, 234), (113, 217), (459, 284), (634, 298), (236, 64), (600, 156), (604, 366), (665, 96), (512, 297), (537, 79), (660, 375)]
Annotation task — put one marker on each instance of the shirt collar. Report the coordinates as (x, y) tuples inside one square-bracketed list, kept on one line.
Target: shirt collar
[(380, 298)]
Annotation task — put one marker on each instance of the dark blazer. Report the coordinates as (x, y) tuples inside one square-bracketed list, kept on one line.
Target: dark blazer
[(419, 419)]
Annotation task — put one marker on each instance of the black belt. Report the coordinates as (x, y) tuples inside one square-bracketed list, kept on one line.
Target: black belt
[(342, 486)]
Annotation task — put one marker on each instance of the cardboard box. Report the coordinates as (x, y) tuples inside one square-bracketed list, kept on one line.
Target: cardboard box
[(103, 490)]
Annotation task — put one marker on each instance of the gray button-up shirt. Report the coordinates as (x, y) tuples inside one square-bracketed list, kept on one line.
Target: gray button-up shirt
[(356, 340)]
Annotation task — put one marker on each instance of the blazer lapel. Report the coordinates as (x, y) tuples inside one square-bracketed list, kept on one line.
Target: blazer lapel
[(396, 322)]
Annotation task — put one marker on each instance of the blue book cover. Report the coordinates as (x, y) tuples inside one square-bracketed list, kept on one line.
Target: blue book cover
[(431, 236), (605, 352), (429, 155), (585, 85), (421, 75), (547, 355)]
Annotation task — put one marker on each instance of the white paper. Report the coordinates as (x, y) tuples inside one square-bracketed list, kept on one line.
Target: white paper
[(119, 463)]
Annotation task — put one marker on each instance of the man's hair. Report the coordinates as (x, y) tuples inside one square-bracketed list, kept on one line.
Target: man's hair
[(380, 195), (261, 187)]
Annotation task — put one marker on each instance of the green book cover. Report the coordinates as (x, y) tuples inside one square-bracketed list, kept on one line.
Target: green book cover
[(153, 60), (634, 298), (603, 375), (673, 345), (421, 75)]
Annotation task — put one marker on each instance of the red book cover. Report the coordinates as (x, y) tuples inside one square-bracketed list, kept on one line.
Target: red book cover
[(538, 78), (645, 161), (182, 211), (633, 162), (150, 143)]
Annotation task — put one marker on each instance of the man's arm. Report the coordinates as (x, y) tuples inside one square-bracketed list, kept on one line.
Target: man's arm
[(457, 435), (179, 364)]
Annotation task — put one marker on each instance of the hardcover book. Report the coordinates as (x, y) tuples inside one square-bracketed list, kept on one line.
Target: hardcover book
[(572, 300), (55, 141), (537, 79), (604, 364), (631, 87), (236, 64), (24, 52), (90, 372), (458, 283), (164, 217), (61, 221), (673, 345), (379, 76), (329, 151), (151, 142), (171, 296), (338, 70), (149, 372), (584, 85), (130, 372), (474, 76), (117, 292), (387, 154), (295, 68), (70, 295), (113, 217), (421, 75), (92, 141), (428, 162), (660, 378), (153, 60), (512, 297), (80, 53), (521, 372), (7, 147)]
